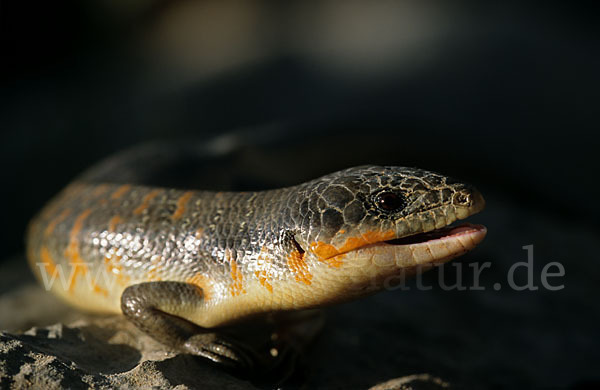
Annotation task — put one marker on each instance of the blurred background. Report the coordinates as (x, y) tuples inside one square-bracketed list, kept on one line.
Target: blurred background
[(502, 94)]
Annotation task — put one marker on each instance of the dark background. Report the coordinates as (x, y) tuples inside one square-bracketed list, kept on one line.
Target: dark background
[(504, 95)]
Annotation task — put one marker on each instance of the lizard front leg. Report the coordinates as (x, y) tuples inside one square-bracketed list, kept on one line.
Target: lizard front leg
[(161, 309)]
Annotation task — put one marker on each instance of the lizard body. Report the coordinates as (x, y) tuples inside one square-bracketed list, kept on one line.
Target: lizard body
[(172, 259)]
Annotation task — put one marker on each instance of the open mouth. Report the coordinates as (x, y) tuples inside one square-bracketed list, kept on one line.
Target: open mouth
[(447, 232), (434, 246), (424, 249)]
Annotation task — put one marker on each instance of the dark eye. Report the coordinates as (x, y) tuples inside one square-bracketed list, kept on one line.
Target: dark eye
[(389, 201)]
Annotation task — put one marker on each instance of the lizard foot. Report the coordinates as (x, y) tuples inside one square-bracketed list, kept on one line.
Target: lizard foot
[(219, 350)]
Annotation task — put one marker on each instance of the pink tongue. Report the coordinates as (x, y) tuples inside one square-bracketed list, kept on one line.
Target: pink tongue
[(467, 227)]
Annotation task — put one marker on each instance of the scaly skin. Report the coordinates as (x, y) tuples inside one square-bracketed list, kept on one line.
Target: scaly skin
[(209, 259)]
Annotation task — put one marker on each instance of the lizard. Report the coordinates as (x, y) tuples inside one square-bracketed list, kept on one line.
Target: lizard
[(180, 264)]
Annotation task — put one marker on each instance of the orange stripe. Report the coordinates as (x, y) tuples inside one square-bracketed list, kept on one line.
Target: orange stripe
[(265, 261), (49, 264), (113, 266), (263, 279), (298, 266), (101, 189), (52, 225), (181, 204), (114, 221), (72, 250), (120, 191), (78, 225), (99, 290), (73, 190), (332, 255), (146, 202), (201, 281), (72, 253), (236, 287), (153, 269)]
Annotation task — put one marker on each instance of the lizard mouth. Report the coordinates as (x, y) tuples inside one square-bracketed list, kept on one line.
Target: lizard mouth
[(430, 248), (447, 232), (435, 246)]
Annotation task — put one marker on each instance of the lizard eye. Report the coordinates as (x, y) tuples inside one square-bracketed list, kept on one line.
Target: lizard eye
[(389, 201)]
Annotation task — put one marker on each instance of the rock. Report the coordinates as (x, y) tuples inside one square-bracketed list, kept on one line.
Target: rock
[(101, 353), (91, 351), (413, 382)]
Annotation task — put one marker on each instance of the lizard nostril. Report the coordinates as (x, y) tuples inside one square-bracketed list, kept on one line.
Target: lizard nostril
[(463, 199), (469, 197)]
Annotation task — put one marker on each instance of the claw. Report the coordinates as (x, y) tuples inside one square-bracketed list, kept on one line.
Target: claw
[(218, 350)]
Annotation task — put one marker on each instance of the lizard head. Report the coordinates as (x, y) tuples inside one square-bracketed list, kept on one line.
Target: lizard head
[(365, 224)]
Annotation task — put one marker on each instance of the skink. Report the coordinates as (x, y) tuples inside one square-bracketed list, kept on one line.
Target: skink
[(178, 263)]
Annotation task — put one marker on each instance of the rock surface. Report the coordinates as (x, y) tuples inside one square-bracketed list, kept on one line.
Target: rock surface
[(101, 353)]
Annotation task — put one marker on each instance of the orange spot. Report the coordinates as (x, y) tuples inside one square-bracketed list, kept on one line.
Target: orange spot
[(199, 233), (114, 268), (263, 279), (298, 266), (323, 250), (342, 231), (78, 225), (152, 273), (265, 261), (72, 250), (114, 221), (330, 254), (49, 264), (101, 189), (73, 190), (236, 288), (120, 191), (52, 225), (99, 290), (335, 261), (181, 203), (146, 201), (203, 282)]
